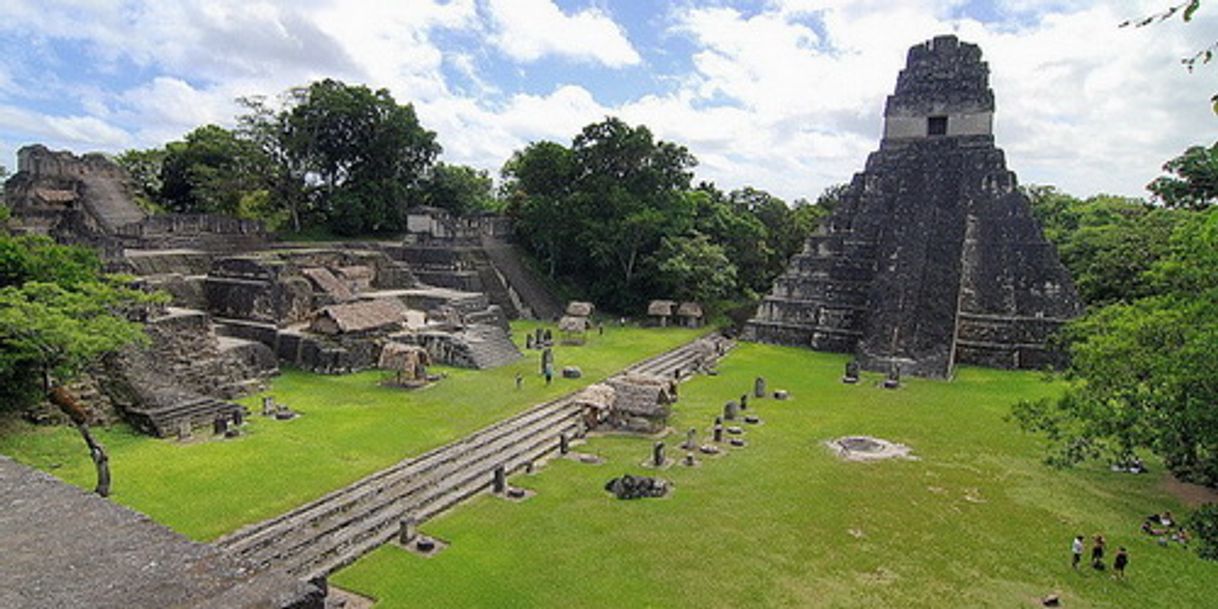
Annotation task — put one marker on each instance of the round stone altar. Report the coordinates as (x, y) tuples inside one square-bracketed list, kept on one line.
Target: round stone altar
[(867, 448)]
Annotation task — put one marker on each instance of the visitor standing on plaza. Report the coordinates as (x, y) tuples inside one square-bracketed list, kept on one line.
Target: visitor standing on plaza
[(1118, 564)]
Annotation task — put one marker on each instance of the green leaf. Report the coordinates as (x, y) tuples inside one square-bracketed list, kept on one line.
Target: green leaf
[(1192, 7)]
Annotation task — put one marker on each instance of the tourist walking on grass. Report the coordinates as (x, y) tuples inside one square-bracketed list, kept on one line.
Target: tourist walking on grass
[(1097, 553), (1076, 551), (1118, 565)]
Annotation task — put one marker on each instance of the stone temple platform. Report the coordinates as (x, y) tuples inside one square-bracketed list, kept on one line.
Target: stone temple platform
[(61, 547), (932, 258)]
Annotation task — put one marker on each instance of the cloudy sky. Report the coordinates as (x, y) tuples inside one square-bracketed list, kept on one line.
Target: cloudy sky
[(784, 95)]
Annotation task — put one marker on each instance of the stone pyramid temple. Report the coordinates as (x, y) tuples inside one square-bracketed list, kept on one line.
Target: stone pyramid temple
[(932, 258)]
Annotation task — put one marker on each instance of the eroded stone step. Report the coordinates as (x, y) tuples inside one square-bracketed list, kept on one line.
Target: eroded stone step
[(292, 539), (369, 488), (357, 542)]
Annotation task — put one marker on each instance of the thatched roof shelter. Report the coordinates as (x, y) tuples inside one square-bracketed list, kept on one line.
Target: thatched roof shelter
[(661, 308), (577, 308), (599, 396), (570, 323), (640, 394), (360, 317), (690, 309)]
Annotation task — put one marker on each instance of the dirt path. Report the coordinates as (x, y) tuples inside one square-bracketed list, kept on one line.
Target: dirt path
[(1192, 495)]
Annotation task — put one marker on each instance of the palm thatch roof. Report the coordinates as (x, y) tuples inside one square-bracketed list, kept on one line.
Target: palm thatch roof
[(640, 394), (599, 396), (580, 309), (690, 309), (661, 308), (362, 316), (51, 195), (570, 323)]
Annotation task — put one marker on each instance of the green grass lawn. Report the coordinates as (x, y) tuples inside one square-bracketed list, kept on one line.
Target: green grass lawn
[(978, 521), (350, 427)]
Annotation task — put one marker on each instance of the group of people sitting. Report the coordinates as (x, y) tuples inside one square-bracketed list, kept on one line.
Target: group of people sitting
[(1166, 529)]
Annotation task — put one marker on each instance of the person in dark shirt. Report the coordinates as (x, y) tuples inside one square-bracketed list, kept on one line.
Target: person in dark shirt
[(1119, 563), (1097, 553)]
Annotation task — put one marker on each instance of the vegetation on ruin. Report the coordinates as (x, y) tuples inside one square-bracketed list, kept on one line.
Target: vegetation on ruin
[(978, 521), (349, 427), (59, 314)]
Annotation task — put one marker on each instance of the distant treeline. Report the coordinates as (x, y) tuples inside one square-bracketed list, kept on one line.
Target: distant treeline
[(614, 217)]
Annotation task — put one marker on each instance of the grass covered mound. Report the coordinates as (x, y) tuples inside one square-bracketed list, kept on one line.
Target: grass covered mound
[(975, 521), (350, 427)]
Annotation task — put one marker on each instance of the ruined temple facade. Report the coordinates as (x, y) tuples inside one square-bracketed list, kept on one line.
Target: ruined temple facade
[(932, 258)]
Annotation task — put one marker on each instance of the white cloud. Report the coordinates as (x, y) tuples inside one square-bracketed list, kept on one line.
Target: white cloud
[(528, 30), (787, 97)]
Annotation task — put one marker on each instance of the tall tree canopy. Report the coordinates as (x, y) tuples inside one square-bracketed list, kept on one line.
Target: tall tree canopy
[(367, 154), (329, 154), (1147, 370), (459, 189), (1192, 180), (58, 314), (616, 215), (211, 170), (1108, 243)]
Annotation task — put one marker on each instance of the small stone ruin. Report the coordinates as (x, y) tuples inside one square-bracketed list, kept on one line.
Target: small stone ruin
[(408, 362)]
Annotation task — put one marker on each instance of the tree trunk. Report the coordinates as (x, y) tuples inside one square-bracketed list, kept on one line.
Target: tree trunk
[(75, 411)]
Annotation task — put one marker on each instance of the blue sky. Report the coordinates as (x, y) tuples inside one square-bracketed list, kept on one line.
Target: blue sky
[(783, 95)]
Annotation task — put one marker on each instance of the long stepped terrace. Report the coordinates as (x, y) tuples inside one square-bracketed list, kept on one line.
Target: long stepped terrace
[(322, 536)]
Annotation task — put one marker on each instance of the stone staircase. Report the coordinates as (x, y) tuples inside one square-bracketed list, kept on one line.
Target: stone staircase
[(324, 535), (528, 288), (109, 203), (490, 347)]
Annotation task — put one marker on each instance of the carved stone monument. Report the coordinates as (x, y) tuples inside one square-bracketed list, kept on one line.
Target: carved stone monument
[(933, 257), (499, 481), (852, 373), (657, 455), (729, 411)]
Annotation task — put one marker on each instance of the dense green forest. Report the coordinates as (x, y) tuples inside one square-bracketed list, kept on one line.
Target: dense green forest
[(1145, 355)]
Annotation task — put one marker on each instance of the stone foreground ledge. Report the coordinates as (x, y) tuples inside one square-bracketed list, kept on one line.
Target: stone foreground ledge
[(61, 547)]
